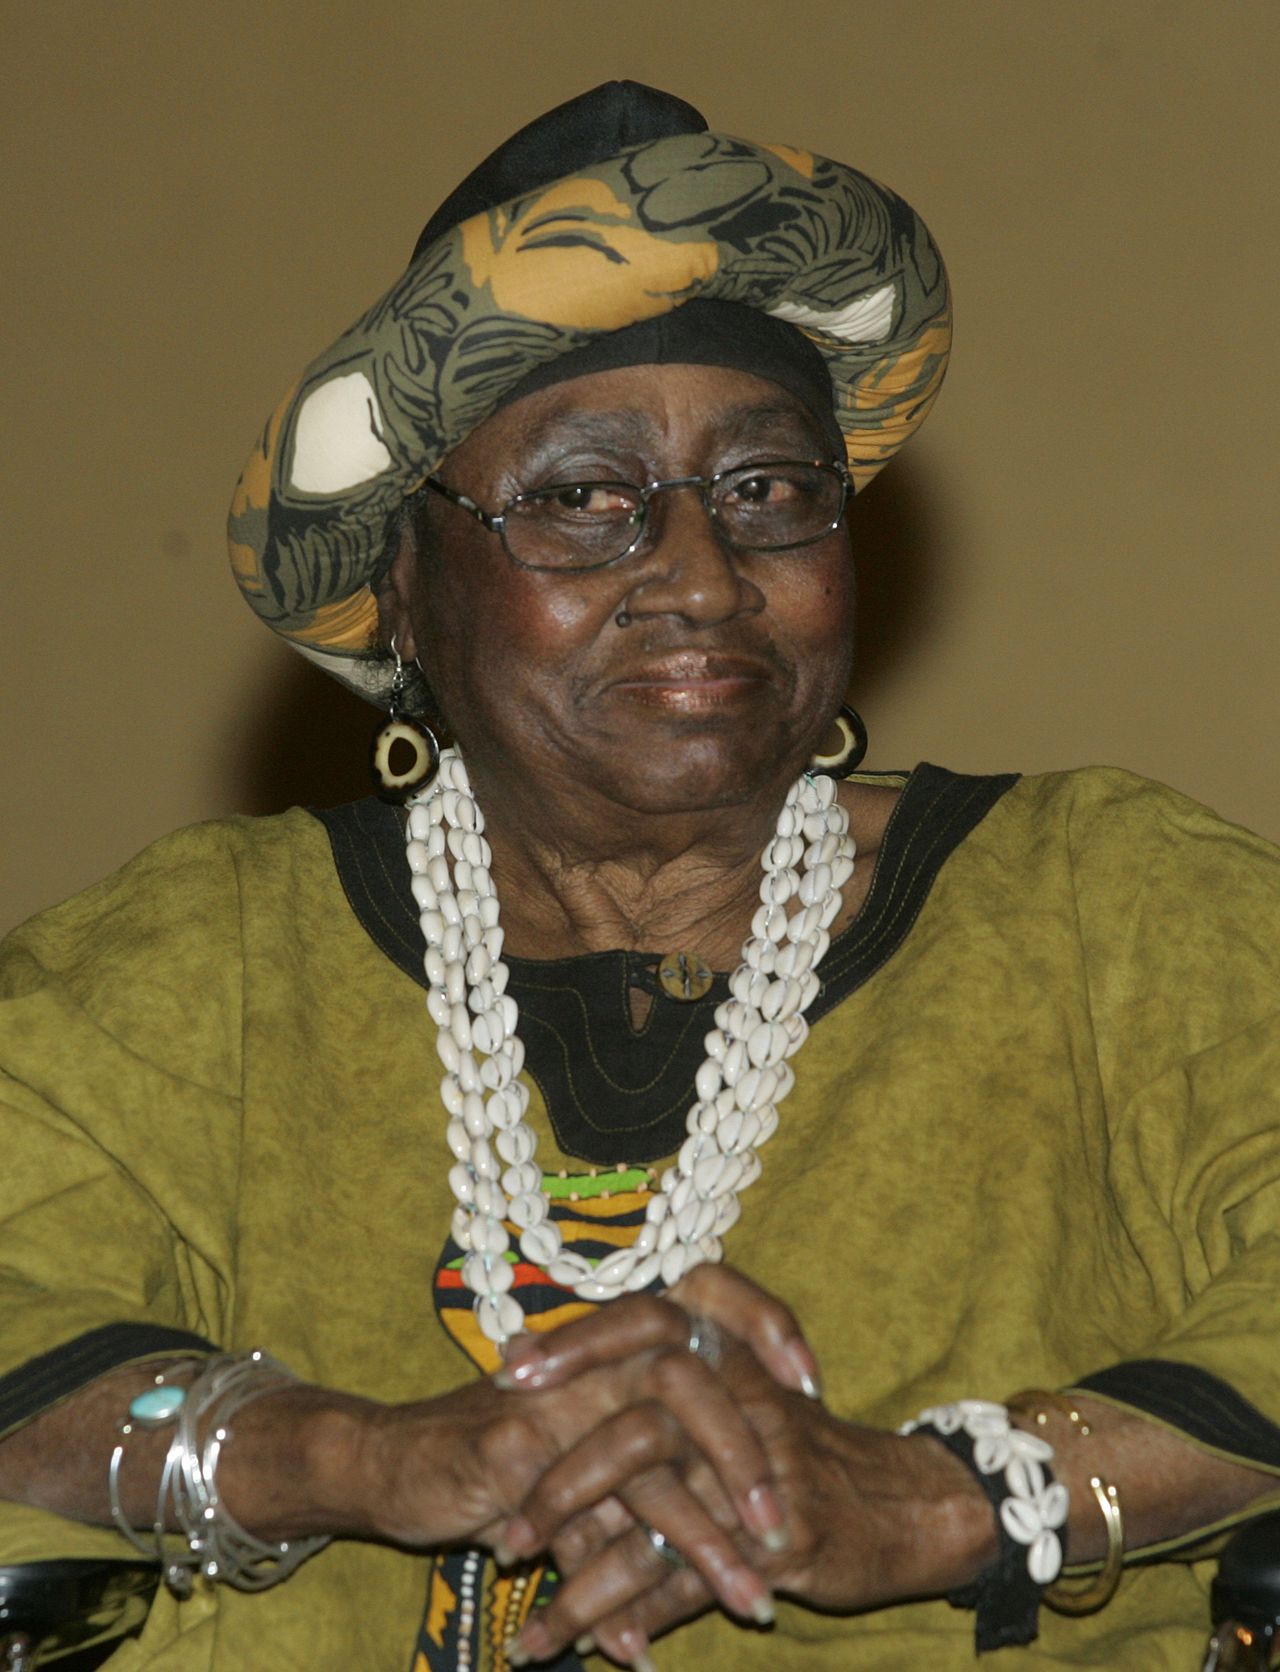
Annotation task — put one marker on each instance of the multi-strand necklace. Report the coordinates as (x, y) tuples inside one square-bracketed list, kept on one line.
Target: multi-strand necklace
[(495, 1177)]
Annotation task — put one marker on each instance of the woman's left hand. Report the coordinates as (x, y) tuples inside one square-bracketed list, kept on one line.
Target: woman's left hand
[(868, 1516)]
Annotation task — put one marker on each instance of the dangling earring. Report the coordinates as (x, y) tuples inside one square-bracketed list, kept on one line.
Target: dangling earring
[(849, 748), (405, 755)]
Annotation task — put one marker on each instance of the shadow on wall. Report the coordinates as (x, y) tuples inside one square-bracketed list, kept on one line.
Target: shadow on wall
[(901, 538), (309, 739)]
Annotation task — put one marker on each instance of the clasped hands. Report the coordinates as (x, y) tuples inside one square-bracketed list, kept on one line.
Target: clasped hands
[(595, 1437)]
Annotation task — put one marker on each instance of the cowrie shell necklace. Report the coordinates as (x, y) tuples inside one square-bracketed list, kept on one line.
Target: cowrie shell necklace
[(494, 1177)]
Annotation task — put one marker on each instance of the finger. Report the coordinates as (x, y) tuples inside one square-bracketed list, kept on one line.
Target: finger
[(689, 1414), (583, 1535), (673, 1518), (680, 1597), (599, 1469), (637, 1322), (631, 1325), (613, 1583), (658, 1497), (767, 1325)]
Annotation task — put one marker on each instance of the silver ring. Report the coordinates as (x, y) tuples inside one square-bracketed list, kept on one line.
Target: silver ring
[(704, 1340), (663, 1547)]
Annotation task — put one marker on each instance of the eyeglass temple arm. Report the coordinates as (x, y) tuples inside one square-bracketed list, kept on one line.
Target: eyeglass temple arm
[(493, 524)]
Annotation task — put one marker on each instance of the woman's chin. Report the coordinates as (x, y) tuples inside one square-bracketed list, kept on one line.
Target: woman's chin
[(692, 775)]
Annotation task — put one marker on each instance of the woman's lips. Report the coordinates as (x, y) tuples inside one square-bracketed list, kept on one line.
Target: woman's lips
[(691, 682)]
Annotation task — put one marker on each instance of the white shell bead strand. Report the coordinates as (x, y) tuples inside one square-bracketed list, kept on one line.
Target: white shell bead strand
[(494, 1176)]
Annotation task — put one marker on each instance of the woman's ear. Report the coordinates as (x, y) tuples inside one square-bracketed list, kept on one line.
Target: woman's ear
[(395, 593)]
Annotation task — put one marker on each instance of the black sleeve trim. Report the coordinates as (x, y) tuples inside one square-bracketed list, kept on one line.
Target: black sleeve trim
[(41, 1382), (1194, 1401)]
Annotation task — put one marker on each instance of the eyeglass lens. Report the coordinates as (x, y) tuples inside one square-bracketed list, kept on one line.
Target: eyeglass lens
[(761, 507)]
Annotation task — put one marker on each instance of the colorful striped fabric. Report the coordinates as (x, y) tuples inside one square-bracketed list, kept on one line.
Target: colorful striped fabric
[(472, 1609)]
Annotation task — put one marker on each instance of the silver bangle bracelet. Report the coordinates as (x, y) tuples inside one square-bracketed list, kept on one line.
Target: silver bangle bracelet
[(187, 1498)]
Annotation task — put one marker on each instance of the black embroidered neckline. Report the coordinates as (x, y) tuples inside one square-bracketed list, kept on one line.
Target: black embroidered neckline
[(615, 1091)]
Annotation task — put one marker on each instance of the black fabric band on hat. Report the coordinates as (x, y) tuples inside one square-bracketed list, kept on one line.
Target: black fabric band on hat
[(584, 130), (707, 332)]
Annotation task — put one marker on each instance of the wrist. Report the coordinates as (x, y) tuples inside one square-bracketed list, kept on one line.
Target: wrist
[(1030, 1510), (298, 1465), (947, 1534), (896, 1519)]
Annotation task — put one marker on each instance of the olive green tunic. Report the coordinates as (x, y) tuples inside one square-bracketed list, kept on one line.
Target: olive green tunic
[(1042, 1138)]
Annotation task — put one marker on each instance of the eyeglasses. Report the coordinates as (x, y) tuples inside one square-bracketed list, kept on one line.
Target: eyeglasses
[(770, 507)]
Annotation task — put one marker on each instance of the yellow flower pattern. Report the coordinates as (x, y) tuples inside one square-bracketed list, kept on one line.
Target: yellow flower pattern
[(574, 256)]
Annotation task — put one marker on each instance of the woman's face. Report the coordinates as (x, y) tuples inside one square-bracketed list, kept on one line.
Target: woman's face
[(733, 662)]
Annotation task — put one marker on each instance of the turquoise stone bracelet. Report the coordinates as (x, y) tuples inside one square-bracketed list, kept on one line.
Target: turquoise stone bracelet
[(155, 1406)]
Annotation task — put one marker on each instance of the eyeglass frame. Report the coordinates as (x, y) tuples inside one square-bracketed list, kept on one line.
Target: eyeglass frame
[(495, 522)]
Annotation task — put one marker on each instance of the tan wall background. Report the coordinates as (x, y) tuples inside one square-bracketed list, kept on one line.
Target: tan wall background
[(1076, 563)]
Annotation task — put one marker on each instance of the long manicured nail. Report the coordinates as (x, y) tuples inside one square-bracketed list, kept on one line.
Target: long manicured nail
[(804, 1367), (516, 1656), (635, 1646), (763, 1516), (749, 1596)]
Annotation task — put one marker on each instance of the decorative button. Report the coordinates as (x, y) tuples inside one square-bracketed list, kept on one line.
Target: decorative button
[(684, 976)]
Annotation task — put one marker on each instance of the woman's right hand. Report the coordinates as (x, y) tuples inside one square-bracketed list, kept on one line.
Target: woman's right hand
[(457, 1468)]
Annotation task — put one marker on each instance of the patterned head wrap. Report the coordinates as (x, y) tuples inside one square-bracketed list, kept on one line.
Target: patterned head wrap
[(611, 211)]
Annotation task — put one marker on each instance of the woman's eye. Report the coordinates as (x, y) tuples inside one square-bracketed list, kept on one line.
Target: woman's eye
[(593, 499), (763, 489)]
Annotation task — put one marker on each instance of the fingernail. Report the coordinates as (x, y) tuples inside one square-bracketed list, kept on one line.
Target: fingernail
[(520, 1376), (586, 1644), (503, 1556), (519, 1538), (516, 1656), (635, 1646), (804, 1367), (524, 1368), (776, 1539), (763, 1515), (746, 1594), (762, 1610)]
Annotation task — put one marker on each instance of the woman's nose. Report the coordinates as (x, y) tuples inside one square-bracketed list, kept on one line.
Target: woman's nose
[(685, 568)]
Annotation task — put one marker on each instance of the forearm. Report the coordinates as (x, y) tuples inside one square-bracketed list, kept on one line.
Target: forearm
[(296, 1464), (1168, 1486)]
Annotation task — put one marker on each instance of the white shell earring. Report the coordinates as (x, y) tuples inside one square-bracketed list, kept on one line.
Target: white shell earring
[(405, 753)]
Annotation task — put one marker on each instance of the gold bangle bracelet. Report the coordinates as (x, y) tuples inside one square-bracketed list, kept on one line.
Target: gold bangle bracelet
[(1086, 1596), (1065, 1596)]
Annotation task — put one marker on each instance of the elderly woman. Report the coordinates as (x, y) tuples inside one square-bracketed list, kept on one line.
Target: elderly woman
[(858, 1192)]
